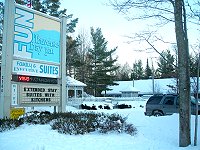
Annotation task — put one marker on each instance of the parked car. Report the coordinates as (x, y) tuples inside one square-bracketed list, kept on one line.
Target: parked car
[(167, 104)]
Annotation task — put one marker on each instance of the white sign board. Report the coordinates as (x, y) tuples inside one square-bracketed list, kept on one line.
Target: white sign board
[(35, 69), (39, 94)]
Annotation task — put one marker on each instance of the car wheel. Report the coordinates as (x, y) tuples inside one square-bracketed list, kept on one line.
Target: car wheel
[(157, 113)]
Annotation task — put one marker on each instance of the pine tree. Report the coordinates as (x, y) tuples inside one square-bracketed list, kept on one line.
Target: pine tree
[(102, 64), (193, 60), (148, 71), (36, 5), (138, 71), (166, 65), (71, 56), (22, 2), (51, 7)]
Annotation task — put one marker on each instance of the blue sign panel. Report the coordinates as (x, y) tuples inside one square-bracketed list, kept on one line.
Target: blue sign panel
[(36, 37)]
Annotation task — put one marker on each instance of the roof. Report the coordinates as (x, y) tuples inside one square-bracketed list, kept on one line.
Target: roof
[(144, 86), (73, 82), (130, 89)]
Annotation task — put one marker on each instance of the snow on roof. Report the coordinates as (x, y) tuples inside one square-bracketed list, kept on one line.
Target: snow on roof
[(73, 82), (144, 86), (130, 89)]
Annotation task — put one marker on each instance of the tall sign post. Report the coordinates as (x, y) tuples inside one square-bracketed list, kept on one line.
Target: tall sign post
[(7, 50), (62, 107), (33, 59)]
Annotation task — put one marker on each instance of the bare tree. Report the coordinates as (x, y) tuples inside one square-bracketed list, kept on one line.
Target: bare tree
[(123, 73), (168, 11), (84, 45)]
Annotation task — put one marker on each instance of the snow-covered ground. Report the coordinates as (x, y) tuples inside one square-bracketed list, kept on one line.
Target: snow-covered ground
[(154, 133)]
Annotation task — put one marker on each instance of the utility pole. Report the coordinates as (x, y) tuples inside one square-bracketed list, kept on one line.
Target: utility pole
[(153, 85), (197, 96)]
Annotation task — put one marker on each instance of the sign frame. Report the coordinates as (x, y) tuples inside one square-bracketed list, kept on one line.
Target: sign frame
[(31, 94), (10, 33)]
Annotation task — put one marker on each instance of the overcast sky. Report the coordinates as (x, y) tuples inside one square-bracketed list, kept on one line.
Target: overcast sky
[(115, 27), (94, 13)]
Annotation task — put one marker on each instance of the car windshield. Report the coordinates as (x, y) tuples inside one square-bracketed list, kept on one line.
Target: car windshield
[(154, 100), (192, 99)]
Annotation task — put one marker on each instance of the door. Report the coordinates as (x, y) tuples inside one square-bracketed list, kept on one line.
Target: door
[(169, 105)]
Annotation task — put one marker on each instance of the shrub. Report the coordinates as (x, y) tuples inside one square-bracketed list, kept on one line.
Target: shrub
[(81, 123), (8, 124), (35, 117), (130, 129), (73, 123)]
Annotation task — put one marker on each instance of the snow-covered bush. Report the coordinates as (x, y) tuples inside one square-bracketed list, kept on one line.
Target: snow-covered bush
[(81, 123), (36, 117), (8, 124), (130, 129), (73, 123)]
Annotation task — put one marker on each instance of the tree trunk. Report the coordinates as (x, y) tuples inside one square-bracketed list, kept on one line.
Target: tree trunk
[(183, 74)]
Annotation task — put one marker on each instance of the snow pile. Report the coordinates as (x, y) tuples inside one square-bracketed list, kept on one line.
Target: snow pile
[(154, 133)]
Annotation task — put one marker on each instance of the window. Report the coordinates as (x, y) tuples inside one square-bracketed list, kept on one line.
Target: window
[(154, 100), (70, 93), (169, 101), (78, 93)]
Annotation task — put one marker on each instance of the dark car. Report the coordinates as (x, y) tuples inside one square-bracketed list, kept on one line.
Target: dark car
[(167, 104)]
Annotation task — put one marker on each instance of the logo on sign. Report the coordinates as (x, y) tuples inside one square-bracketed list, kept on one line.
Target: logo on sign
[(23, 32), (33, 39)]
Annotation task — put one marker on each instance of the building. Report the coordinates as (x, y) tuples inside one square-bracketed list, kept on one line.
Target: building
[(129, 91), (142, 87), (74, 88)]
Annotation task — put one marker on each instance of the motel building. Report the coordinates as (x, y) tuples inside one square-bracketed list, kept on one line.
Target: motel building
[(74, 91)]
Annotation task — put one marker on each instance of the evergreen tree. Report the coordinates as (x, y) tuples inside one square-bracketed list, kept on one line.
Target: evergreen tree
[(71, 56), (51, 7), (138, 71), (22, 2), (36, 5), (166, 65), (193, 60), (148, 71), (102, 64)]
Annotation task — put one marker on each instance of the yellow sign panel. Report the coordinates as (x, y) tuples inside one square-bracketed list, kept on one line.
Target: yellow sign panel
[(16, 112)]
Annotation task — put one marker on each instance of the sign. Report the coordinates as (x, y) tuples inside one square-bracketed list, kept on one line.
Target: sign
[(14, 95), (36, 37), (16, 112), (39, 94), (35, 69), (33, 79), (29, 3), (34, 51)]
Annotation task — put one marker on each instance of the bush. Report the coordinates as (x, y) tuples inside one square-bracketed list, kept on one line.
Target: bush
[(35, 117), (8, 124), (73, 123), (81, 123)]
